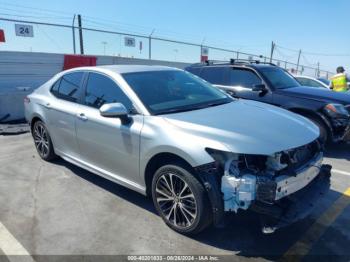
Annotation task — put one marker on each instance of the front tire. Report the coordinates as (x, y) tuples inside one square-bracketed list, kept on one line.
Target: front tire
[(42, 141), (180, 199), (324, 135)]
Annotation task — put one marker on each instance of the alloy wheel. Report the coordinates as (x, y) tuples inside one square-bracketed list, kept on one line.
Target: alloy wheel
[(176, 200), (41, 139)]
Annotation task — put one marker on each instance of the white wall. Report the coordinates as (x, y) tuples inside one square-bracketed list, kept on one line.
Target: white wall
[(28, 70)]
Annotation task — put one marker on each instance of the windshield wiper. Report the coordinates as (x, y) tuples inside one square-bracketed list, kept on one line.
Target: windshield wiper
[(174, 110), (218, 103), (184, 109)]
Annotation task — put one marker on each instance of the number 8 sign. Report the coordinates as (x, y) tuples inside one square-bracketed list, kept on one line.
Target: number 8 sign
[(24, 30)]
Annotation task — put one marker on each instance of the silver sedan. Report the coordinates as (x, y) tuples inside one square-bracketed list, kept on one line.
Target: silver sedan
[(166, 133)]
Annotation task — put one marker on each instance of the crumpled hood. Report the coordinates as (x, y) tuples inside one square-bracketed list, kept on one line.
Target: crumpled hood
[(248, 127), (322, 94)]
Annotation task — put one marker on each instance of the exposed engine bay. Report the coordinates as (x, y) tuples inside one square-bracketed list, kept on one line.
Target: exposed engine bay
[(268, 178), (272, 185)]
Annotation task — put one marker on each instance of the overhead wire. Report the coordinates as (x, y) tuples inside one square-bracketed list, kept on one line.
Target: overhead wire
[(36, 8), (43, 13), (31, 16), (312, 53), (49, 37), (19, 12)]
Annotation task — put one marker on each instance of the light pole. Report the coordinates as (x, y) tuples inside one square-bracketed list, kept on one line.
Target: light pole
[(176, 51), (150, 45), (104, 47), (73, 31)]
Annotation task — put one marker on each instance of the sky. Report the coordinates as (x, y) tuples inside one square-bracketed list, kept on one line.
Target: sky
[(319, 28)]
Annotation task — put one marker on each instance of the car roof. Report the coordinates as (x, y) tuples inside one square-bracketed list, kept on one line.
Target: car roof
[(251, 65), (121, 69)]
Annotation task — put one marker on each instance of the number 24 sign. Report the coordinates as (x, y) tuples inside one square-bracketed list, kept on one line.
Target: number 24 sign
[(24, 30)]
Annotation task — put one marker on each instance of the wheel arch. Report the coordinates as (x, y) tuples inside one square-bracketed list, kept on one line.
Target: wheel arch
[(159, 160), (34, 119), (314, 115)]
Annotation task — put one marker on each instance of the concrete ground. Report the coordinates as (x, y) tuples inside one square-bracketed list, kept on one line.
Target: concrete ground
[(59, 209)]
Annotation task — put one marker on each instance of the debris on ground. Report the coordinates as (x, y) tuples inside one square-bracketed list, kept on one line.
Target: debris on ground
[(14, 127)]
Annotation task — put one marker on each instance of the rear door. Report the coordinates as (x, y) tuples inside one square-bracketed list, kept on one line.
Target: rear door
[(106, 143), (62, 110)]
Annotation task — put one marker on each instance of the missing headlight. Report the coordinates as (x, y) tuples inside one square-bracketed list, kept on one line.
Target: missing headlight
[(238, 187)]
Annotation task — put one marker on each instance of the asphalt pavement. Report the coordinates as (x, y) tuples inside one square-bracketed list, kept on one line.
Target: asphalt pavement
[(57, 209)]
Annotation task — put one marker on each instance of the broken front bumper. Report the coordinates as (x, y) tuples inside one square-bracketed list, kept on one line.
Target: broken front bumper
[(287, 185), (296, 206)]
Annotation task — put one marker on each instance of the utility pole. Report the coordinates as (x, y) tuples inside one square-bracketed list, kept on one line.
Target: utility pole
[(73, 30), (272, 50), (80, 35), (150, 45), (104, 47), (318, 69), (298, 60)]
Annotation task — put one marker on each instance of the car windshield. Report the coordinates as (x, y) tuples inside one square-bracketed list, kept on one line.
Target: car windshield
[(172, 91), (279, 78)]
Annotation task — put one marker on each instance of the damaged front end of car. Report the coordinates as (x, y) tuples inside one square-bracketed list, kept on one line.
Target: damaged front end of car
[(281, 187)]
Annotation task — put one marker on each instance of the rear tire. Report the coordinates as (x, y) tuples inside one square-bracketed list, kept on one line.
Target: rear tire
[(42, 141), (180, 199)]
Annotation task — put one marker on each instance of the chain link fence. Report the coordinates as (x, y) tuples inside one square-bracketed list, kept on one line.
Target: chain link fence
[(62, 38)]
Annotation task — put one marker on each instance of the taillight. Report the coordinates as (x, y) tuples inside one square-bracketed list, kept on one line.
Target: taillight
[(26, 100)]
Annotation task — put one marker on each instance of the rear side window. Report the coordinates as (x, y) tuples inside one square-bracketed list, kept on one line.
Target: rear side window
[(244, 78), (55, 87), (100, 90), (68, 87), (214, 75), (194, 70)]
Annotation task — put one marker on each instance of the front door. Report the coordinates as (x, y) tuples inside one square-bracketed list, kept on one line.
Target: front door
[(107, 144), (241, 82)]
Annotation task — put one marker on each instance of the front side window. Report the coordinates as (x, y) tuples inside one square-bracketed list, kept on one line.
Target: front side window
[(174, 91), (243, 77), (68, 86), (278, 78), (101, 90)]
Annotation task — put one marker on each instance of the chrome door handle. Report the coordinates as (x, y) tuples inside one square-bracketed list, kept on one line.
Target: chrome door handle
[(82, 116)]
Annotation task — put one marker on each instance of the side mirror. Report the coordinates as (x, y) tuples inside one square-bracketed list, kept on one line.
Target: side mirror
[(259, 88), (117, 110)]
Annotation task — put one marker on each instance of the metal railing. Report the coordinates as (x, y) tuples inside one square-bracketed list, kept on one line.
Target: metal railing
[(158, 47)]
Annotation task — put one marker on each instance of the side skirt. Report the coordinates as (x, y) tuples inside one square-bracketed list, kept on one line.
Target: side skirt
[(103, 173)]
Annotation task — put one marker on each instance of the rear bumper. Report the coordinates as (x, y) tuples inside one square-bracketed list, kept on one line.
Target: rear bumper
[(296, 206)]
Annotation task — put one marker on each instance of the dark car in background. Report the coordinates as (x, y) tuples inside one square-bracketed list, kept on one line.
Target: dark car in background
[(266, 82)]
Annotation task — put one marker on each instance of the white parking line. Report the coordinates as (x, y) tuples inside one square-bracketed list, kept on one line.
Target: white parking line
[(341, 172), (11, 247)]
